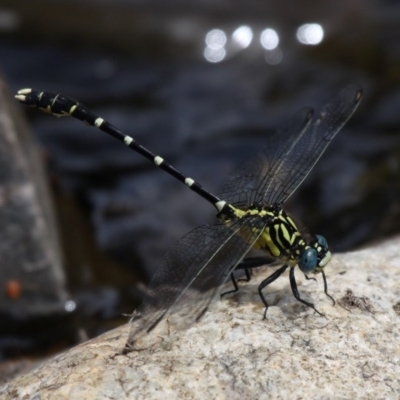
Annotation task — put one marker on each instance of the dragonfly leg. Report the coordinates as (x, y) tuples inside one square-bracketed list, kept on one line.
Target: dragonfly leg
[(295, 291), (326, 288), (246, 265), (235, 285), (247, 272), (309, 279), (266, 282)]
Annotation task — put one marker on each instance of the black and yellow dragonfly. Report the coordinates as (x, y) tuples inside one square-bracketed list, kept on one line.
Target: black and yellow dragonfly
[(249, 205)]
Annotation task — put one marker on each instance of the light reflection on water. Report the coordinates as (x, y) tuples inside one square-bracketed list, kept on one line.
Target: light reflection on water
[(269, 39), (214, 55), (219, 46), (70, 306), (310, 34), (216, 39), (273, 57), (215, 45), (242, 36)]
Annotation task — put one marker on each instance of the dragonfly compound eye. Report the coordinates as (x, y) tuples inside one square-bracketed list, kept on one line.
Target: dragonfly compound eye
[(308, 260), (322, 241)]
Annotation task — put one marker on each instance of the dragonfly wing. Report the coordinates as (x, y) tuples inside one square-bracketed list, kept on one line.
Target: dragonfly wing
[(242, 187), (309, 146), (202, 259), (276, 172)]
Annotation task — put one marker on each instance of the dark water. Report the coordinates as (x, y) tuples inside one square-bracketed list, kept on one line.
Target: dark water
[(147, 68)]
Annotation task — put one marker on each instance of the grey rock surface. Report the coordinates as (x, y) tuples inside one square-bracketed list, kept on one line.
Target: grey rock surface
[(30, 255), (351, 352)]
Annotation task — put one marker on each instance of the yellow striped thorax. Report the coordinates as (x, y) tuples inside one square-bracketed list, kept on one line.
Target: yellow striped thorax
[(280, 237)]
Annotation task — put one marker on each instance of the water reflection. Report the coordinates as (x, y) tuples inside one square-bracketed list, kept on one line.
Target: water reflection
[(214, 55), (218, 48), (215, 45), (242, 36), (273, 57), (70, 306), (269, 39), (310, 34), (216, 39)]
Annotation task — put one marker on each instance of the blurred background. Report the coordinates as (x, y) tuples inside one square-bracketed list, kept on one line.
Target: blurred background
[(203, 84)]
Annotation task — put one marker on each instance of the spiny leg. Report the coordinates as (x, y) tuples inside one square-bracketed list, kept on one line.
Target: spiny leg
[(309, 279), (266, 282), (296, 294), (235, 285), (246, 265), (326, 288), (247, 272)]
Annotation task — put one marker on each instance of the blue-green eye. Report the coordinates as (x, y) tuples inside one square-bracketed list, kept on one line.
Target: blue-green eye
[(322, 241), (308, 260)]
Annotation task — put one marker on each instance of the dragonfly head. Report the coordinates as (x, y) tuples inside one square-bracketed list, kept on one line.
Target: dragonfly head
[(316, 256)]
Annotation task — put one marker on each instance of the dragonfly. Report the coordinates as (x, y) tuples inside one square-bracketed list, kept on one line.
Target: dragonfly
[(249, 209)]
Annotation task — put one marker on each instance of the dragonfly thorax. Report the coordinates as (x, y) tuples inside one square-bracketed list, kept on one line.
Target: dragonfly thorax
[(279, 236)]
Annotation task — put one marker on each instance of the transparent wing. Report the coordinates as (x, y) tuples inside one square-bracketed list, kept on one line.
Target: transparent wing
[(309, 146), (241, 187), (202, 259), (275, 173)]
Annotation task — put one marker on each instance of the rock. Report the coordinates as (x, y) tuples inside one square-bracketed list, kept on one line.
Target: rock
[(351, 352), (32, 281)]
